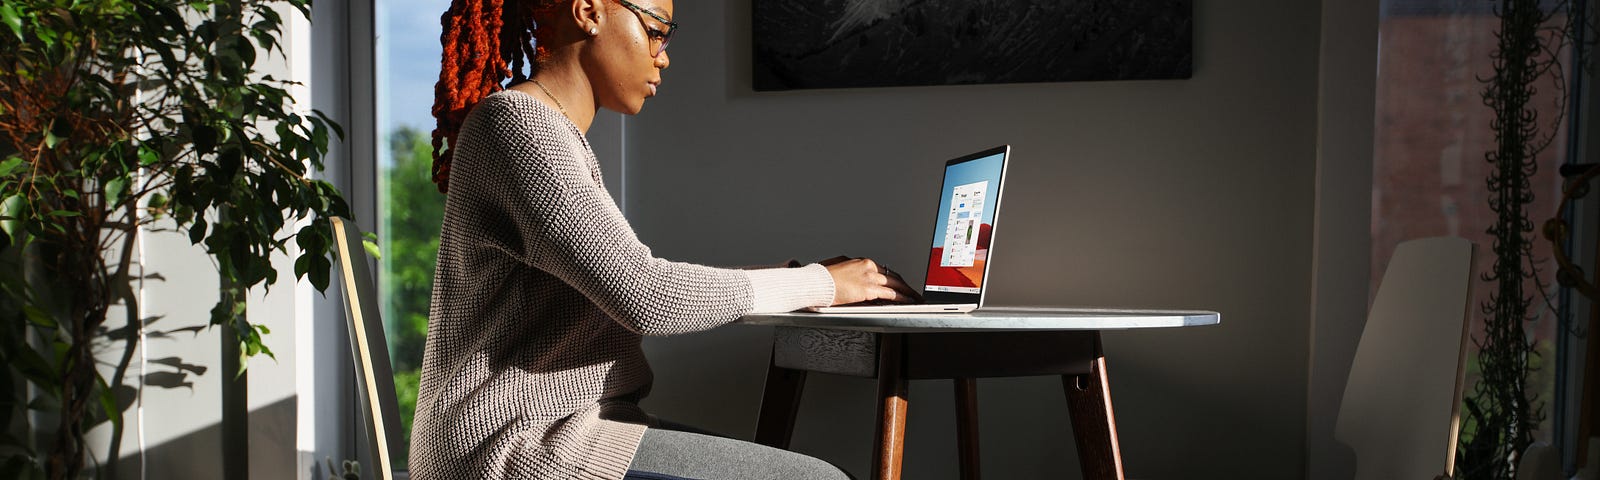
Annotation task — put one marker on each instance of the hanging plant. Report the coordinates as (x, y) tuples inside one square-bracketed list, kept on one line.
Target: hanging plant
[(1501, 413), (116, 115)]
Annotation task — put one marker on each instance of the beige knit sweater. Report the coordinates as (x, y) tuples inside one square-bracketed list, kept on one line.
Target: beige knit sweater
[(533, 366)]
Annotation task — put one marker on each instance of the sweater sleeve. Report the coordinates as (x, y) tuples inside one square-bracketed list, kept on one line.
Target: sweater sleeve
[(568, 226), (788, 289)]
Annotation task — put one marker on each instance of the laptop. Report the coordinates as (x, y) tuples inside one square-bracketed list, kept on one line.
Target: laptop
[(963, 235)]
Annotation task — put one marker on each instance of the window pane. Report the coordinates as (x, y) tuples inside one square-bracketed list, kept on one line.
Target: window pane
[(1430, 168), (409, 205)]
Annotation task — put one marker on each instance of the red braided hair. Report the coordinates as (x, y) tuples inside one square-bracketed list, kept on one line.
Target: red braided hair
[(480, 38)]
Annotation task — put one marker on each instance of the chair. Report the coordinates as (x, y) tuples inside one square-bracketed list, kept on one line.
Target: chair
[(380, 411), (1402, 400)]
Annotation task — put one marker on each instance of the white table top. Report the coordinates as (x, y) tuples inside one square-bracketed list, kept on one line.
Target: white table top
[(991, 319)]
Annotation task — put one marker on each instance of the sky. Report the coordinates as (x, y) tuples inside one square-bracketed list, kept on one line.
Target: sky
[(408, 61), (987, 169)]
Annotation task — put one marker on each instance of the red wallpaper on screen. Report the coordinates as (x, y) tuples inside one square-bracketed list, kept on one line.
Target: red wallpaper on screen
[(960, 276)]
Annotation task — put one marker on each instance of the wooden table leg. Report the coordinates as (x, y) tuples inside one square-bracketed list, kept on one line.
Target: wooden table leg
[(780, 402), (967, 427), (1094, 427), (891, 431)]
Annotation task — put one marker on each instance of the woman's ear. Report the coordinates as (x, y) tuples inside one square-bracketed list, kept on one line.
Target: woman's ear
[(586, 15)]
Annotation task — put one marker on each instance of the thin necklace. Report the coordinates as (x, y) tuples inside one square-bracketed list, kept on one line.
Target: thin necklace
[(551, 95)]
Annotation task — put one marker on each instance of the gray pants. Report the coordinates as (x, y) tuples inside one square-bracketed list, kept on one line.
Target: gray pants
[(681, 451)]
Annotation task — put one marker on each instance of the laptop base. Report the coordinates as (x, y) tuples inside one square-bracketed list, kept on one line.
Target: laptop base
[(916, 308)]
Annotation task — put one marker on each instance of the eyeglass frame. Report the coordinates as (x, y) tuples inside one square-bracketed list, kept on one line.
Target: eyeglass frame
[(666, 37)]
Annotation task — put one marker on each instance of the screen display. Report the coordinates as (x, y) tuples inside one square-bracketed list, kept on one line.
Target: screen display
[(967, 205)]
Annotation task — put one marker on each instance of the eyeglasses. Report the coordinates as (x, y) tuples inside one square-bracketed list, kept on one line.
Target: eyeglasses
[(658, 37)]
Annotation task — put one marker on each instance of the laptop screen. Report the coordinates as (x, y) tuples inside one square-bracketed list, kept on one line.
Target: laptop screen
[(968, 203)]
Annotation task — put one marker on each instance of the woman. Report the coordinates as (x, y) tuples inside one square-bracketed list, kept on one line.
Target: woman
[(533, 366)]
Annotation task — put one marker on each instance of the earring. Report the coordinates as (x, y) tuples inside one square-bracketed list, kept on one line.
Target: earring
[(594, 31)]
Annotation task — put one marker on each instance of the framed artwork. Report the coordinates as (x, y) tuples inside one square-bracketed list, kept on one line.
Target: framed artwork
[(880, 43)]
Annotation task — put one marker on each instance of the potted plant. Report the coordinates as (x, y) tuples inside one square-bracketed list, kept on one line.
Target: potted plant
[(118, 115)]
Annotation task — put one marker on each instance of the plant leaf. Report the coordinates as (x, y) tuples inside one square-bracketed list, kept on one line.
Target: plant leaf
[(11, 214), (319, 272), (115, 188), (372, 249), (12, 19), (37, 370), (38, 316), (205, 138), (147, 155), (10, 165), (197, 232), (46, 35), (108, 402)]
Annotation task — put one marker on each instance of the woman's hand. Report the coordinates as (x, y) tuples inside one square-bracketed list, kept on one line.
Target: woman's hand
[(863, 280)]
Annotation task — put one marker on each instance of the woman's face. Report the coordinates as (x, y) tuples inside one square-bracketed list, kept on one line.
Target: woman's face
[(628, 53)]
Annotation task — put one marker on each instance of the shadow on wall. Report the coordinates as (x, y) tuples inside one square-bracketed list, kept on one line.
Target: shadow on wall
[(198, 454), (1164, 414)]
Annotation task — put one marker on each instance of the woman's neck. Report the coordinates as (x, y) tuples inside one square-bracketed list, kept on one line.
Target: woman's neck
[(565, 90)]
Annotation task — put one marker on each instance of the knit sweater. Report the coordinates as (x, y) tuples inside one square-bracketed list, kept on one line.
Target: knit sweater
[(542, 295)]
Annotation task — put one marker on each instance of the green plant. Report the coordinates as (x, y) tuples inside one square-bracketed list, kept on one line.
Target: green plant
[(119, 115), (1502, 414)]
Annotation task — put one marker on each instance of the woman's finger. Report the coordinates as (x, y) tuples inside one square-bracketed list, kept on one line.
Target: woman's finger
[(887, 277), (910, 292), (894, 277), (886, 293)]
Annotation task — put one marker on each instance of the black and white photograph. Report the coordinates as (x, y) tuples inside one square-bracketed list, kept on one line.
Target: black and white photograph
[(880, 43)]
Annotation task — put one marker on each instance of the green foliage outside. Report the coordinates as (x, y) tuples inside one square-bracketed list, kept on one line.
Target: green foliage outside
[(411, 209)]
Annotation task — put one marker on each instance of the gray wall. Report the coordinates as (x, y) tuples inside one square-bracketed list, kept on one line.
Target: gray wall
[(1183, 194), (1341, 252)]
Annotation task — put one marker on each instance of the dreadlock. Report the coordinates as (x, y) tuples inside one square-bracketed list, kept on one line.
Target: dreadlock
[(480, 38)]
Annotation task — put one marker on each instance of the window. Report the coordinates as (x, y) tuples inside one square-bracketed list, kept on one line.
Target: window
[(1430, 169), (409, 205)]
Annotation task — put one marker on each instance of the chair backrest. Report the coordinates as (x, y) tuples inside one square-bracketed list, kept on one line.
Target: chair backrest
[(380, 410), (1402, 401)]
